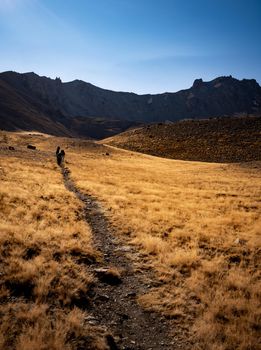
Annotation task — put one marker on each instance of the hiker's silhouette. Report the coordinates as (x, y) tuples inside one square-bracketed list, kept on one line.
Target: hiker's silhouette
[(60, 156)]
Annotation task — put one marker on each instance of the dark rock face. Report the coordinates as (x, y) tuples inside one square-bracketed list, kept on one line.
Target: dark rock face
[(30, 101)]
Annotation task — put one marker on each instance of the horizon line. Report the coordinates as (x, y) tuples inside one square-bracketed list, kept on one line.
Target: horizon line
[(130, 92)]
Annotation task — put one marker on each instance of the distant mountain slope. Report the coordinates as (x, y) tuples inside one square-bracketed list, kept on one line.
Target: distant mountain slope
[(18, 112), (211, 140), (28, 100)]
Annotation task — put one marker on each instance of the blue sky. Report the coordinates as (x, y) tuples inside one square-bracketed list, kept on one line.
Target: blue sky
[(144, 46)]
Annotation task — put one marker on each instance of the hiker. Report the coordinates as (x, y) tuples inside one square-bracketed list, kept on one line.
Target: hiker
[(59, 158), (62, 154)]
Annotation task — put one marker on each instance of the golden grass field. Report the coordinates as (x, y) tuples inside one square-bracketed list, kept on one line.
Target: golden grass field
[(196, 225), (42, 235)]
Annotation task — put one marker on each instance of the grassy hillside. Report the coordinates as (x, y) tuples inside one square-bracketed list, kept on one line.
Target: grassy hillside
[(42, 235), (194, 226), (197, 226), (213, 140)]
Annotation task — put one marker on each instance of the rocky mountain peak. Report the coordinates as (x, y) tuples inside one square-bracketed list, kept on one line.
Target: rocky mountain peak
[(197, 83)]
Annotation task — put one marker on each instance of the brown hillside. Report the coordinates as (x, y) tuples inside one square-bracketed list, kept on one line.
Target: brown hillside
[(213, 140)]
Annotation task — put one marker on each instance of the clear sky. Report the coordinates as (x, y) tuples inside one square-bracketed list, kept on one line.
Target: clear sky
[(144, 46)]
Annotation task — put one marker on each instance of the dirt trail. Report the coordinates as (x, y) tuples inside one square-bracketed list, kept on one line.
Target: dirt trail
[(114, 305)]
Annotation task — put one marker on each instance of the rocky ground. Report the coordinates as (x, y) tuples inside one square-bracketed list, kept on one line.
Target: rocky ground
[(221, 140)]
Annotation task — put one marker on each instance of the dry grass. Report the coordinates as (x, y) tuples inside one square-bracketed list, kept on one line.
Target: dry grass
[(45, 251), (198, 226), (35, 327)]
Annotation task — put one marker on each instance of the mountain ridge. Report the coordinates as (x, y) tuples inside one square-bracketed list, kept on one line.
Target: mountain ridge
[(49, 105)]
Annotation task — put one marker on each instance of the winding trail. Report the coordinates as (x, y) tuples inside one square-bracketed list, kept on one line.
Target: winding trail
[(114, 305)]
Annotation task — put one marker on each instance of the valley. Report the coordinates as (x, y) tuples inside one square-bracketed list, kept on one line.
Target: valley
[(188, 230)]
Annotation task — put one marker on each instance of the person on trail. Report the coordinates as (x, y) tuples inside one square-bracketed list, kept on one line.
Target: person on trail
[(60, 156)]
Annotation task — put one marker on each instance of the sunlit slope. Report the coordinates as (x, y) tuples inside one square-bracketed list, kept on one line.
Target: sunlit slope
[(42, 237), (195, 225), (198, 226), (213, 140)]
